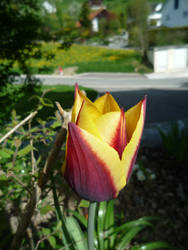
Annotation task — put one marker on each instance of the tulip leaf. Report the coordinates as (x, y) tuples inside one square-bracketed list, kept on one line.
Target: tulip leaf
[(101, 213), (154, 245), (76, 233), (66, 238), (80, 218), (84, 203), (144, 221), (128, 236), (109, 225)]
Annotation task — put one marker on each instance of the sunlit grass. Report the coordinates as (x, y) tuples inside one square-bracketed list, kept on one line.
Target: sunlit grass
[(87, 59)]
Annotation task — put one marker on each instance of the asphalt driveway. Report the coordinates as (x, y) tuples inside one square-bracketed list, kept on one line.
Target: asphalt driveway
[(162, 104)]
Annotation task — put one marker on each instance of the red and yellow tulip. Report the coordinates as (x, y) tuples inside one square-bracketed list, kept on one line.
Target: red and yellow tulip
[(102, 144)]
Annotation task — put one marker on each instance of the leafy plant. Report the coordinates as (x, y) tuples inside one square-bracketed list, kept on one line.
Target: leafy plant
[(111, 233), (175, 142), (9, 96), (22, 153)]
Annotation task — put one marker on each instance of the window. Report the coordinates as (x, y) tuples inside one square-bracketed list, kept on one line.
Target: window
[(176, 4), (167, 18), (185, 13)]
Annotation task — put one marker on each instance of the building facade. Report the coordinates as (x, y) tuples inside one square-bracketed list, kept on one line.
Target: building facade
[(175, 13)]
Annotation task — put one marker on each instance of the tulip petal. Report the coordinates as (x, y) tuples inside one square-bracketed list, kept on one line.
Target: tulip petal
[(79, 97), (134, 133), (132, 117), (112, 129), (92, 167), (106, 103), (86, 119)]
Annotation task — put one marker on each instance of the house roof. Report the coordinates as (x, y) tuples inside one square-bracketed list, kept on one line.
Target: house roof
[(97, 13), (109, 15)]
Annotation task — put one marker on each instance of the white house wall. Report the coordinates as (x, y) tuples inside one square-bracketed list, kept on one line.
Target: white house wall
[(155, 17), (170, 59), (175, 17), (95, 25)]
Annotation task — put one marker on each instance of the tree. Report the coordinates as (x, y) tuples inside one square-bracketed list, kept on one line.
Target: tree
[(84, 16), (20, 24), (19, 29), (74, 10), (137, 13), (61, 24)]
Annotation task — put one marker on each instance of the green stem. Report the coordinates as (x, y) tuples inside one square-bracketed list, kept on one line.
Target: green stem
[(91, 225), (65, 234)]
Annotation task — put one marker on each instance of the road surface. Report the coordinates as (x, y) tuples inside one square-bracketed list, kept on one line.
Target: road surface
[(115, 81)]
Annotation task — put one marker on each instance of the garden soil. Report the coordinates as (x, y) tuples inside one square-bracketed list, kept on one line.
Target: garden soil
[(163, 195)]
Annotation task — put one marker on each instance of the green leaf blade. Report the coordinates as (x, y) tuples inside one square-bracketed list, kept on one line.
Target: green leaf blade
[(76, 233), (154, 245)]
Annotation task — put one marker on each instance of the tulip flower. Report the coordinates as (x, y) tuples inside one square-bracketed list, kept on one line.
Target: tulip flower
[(102, 144)]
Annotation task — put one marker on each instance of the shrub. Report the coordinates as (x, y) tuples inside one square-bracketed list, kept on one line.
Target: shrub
[(168, 36)]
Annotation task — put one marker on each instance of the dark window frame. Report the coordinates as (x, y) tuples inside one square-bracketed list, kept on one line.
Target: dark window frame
[(176, 4)]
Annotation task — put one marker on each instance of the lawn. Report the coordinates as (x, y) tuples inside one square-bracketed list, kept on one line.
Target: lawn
[(87, 59), (61, 93)]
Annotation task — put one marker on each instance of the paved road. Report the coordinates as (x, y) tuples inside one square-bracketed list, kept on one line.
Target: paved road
[(167, 98), (115, 82)]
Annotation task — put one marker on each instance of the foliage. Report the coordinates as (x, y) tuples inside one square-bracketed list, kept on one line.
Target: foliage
[(9, 96), (8, 74), (21, 156), (60, 25), (168, 36), (137, 13), (74, 10), (175, 142), (84, 21), (84, 16), (108, 27), (20, 29), (113, 233), (20, 22)]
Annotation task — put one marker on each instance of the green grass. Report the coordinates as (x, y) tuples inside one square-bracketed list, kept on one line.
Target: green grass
[(115, 61), (105, 67), (61, 93), (87, 59)]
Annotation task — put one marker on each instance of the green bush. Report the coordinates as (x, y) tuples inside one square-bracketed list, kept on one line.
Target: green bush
[(168, 36), (9, 95)]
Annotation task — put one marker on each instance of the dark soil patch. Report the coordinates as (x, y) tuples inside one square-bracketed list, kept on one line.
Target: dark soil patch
[(165, 196)]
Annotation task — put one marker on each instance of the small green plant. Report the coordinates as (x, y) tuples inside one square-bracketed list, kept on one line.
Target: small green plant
[(112, 232), (175, 142)]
